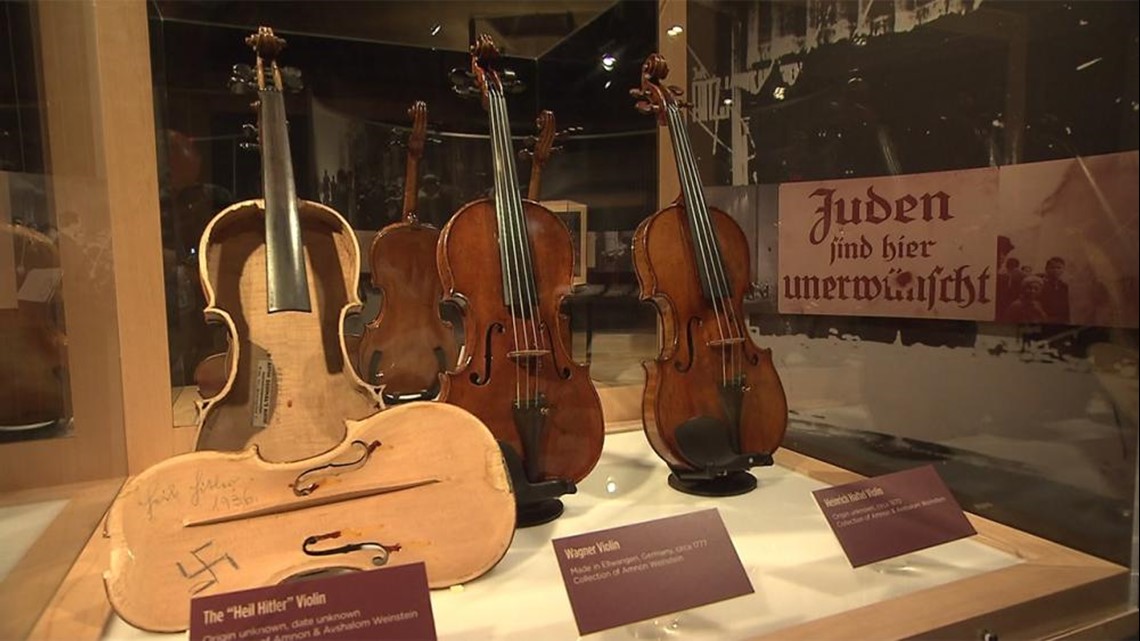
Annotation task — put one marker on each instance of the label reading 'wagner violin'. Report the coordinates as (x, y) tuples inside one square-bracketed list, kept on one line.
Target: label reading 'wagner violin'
[(625, 574)]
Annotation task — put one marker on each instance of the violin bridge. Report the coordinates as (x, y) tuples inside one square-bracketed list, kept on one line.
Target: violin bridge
[(725, 342)]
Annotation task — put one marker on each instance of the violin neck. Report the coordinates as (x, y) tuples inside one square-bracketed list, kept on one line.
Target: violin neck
[(411, 188), (709, 261), (288, 283), (519, 292), (535, 186)]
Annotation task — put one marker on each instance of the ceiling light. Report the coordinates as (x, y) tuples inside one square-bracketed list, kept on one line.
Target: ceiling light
[(608, 61)]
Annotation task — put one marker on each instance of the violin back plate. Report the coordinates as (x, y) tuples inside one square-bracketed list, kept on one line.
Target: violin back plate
[(427, 480)]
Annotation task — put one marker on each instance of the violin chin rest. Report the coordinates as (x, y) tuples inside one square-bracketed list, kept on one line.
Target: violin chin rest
[(707, 443)]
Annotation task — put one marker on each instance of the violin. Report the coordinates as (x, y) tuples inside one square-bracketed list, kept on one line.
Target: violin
[(280, 273), (408, 345), (509, 262), (713, 401), (31, 389), (543, 148), (421, 482)]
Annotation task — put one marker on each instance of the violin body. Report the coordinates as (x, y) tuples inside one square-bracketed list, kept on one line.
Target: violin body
[(408, 345), (570, 441), (289, 385), (422, 482), (683, 381)]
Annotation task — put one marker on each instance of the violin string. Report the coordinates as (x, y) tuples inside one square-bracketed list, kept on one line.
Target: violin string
[(505, 256), (691, 192), (737, 331), (529, 291), (514, 239)]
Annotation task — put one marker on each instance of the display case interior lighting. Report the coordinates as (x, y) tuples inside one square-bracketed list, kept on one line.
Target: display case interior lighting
[(675, 31)]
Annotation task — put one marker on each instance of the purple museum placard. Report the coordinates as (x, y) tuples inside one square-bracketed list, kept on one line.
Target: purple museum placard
[(893, 514), (389, 603), (626, 574)]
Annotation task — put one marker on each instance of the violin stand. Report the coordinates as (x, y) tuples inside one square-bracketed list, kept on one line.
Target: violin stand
[(535, 503), (711, 444)]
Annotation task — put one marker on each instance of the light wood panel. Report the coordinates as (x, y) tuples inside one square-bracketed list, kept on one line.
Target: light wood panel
[(35, 579), (93, 61)]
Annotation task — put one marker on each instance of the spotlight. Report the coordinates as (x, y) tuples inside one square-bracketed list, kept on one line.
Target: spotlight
[(608, 61)]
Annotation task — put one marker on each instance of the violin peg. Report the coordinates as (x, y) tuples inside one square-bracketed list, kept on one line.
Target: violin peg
[(466, 92), (242, 79), (461, 77), (291, 78), (645, 107)]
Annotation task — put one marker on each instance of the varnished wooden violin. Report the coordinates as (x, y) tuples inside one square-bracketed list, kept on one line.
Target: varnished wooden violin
[(422, 482), (713, 402), (408, 345), (281, 274), (509, 263), (543, 148)]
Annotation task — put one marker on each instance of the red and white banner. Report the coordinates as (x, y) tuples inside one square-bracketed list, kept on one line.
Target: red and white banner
[(1050, 242)]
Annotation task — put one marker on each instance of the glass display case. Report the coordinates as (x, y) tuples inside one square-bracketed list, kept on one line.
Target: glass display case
[(937, 204)]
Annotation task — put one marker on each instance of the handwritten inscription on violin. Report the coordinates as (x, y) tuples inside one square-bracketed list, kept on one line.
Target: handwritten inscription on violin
[(389, 603), (210, 493), (626, 574), (914, 246)]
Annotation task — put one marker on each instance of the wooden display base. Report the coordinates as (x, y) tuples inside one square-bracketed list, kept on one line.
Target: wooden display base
[(1042, 590)]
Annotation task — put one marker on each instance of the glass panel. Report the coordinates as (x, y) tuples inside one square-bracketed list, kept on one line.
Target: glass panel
[(62, 449), (349, 127), (34, 402), (1027, 409)]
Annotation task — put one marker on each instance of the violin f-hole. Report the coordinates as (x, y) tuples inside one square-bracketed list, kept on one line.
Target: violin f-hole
[(302, 489), (380, 559), (686, 366), (484, 377), (563, 371)]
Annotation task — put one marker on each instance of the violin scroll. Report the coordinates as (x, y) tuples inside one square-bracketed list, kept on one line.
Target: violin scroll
[(653, 97), (418, 113), (266, 44)]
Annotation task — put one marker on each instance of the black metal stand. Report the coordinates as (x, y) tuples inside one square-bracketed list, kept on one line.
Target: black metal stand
[(731, 484), (535, 503), (711, 445)]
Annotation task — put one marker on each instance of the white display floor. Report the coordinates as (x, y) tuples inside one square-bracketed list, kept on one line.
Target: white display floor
[(795, 565)]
